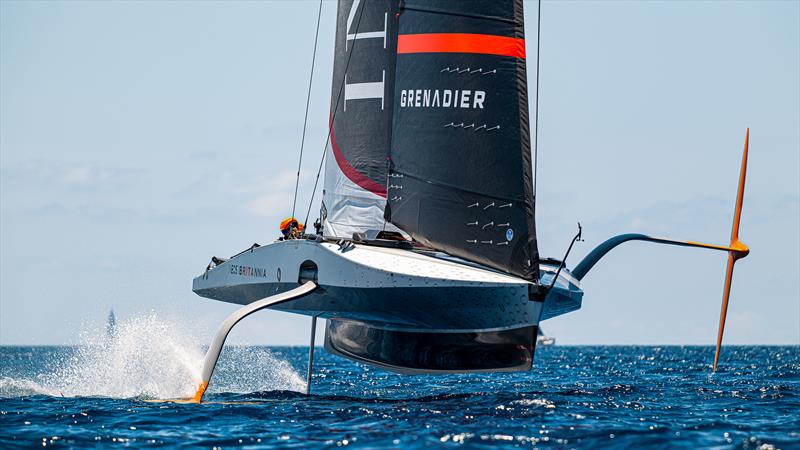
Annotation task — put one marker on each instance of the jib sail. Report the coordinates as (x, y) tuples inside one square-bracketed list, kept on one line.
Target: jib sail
[(360, 119), (460, 175)]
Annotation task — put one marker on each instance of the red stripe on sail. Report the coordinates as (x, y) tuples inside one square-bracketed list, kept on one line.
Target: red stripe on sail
[(351, 173), (486, 44)]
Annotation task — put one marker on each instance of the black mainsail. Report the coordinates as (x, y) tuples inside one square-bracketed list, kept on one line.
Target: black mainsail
[(460, 179), (430, 130)]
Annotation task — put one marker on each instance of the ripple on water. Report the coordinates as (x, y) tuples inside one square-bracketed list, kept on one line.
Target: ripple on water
[(586, 397)]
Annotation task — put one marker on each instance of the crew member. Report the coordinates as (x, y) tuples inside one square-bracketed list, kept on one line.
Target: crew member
[(291, 228)]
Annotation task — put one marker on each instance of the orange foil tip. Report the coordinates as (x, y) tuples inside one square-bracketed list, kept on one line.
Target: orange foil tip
[(201, 389)]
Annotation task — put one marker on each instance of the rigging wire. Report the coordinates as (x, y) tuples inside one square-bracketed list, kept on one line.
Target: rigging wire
[(536, 117), (308, 101), (335, 110)]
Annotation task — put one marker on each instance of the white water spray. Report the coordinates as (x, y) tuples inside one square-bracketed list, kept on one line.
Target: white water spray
[(148, 357)]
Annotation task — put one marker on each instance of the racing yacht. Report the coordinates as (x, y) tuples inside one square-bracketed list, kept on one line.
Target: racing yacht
[(425, 256)]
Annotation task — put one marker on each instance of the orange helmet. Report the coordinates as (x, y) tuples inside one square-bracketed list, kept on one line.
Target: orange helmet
[(286, 225)]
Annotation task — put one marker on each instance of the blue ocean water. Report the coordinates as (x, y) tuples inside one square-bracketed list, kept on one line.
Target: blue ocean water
[(96, 395)]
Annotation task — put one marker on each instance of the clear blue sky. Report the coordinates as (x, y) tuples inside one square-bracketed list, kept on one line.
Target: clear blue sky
[(137, 139)]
